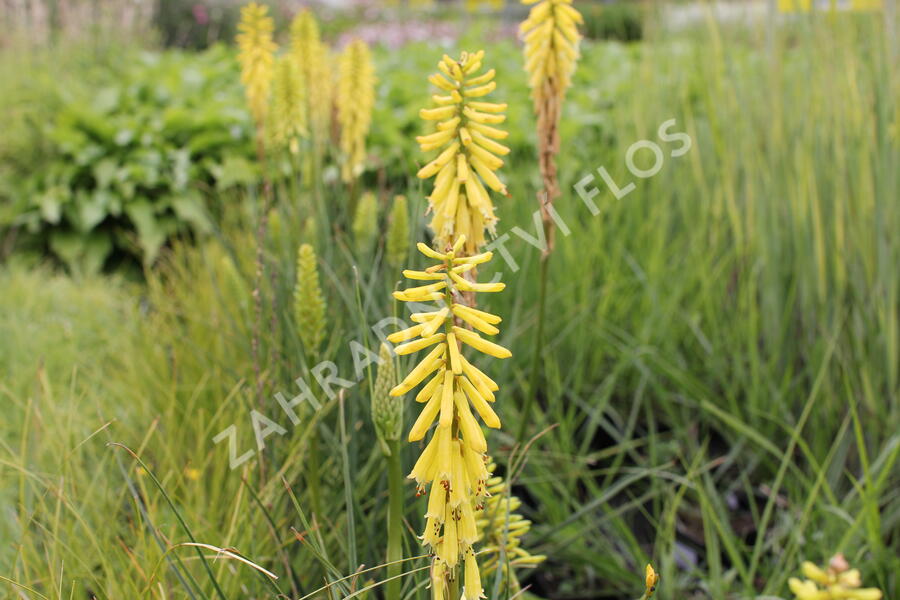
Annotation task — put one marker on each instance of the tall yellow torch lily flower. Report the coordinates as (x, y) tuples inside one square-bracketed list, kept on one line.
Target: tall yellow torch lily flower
[(452, 466), (551, 41), (837, 581), (469, 152), (257, 58), (315, 71), (501, 531), (287, 122), (355, 99)]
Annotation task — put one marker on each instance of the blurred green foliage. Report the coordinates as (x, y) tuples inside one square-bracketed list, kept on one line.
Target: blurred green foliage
[(130, 164), (622, 21)]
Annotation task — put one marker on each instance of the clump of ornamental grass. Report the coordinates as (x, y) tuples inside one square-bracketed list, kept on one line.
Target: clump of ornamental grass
[(355, 99), (469, 153), (452, 468), (314, 62), (257, 58), (398, 232), (501, 532), (837, 581), (309, 303), (287, 122)]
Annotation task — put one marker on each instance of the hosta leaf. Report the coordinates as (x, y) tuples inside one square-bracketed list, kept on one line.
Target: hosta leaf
[(151, 235)]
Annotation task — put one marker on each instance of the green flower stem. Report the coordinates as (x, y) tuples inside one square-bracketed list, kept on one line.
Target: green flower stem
[(538, 350), (394, 522)]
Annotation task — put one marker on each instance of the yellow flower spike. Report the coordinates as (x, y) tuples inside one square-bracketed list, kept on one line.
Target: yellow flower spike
[(551, 38), (459, 201), (501, 531), (355, 100), (257, 58), (287, 122), (312, 58), (452, 467), (836, 581)]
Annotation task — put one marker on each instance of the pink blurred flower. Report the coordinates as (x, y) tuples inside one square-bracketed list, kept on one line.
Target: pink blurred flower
[(201, 15)]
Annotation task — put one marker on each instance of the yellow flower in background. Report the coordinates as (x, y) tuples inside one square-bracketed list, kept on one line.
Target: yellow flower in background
[(287, 122), (501, 531), (313, 59), (309, 302), (475, 5), (452, 466), (836, 582), (397, 240), (551, 41), (468, 157), (257, 58), (387, 411), (651, 580), (355, 100)]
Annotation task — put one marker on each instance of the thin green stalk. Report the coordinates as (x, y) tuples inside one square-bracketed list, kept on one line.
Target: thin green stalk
[(313, 479), (538, 348), (394, 521), (312, 475), (348, 488), (454, 586)]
